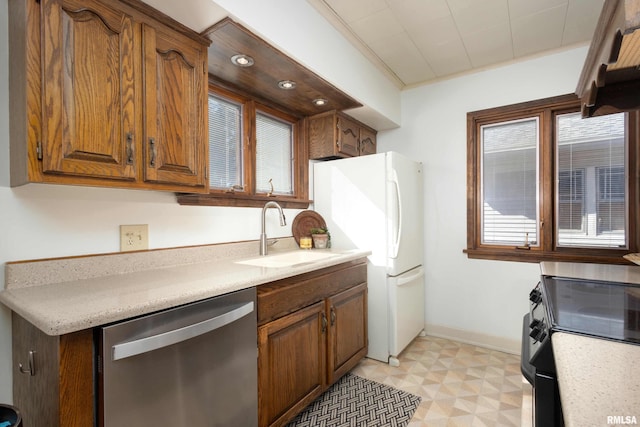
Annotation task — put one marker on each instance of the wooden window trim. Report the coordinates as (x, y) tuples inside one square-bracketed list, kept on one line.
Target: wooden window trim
[(547, 251), (248, 197)]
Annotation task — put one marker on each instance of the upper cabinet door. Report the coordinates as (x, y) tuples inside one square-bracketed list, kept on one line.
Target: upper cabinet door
[(368, 144), (348, 136), (88, 98), (175, 108)]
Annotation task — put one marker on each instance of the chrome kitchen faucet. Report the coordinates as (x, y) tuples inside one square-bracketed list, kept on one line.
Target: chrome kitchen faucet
[(263, 234)]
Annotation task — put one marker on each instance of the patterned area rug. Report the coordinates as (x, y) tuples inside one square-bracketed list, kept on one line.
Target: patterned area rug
[(354, 401)]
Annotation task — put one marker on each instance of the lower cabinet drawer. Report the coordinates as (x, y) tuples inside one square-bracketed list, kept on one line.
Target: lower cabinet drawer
[(285, 296)]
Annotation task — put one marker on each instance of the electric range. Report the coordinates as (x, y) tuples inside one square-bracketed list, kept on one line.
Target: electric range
[(602, 309)]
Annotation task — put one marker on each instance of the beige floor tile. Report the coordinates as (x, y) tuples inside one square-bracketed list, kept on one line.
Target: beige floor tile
[(460, 384)]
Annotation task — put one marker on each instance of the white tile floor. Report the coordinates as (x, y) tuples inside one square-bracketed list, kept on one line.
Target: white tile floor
[(460, 384)]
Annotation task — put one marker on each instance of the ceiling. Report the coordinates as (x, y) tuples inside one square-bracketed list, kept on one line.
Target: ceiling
[(417, 41)]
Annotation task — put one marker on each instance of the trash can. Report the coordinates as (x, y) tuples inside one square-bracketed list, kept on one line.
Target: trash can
[(9, 416)]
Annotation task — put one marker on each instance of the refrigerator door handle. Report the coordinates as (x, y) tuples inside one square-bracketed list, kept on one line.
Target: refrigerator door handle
[(408, 278), (397, 211)]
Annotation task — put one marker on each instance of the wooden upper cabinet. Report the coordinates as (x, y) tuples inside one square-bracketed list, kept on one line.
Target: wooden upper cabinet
[(175, 108), (368, 142), (334, 135), (610, 78), (348, 136), (88, 91), (92, 82)]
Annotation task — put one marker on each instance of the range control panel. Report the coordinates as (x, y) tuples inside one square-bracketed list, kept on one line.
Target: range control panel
[(540, 352)]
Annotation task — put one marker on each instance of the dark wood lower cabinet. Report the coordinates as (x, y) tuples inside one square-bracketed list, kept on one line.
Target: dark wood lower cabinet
[(292, 364), (59, 389), (312, 330), (347, 338)]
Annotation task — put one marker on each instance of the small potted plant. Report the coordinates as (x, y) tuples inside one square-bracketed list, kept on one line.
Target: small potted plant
[(321, 237)]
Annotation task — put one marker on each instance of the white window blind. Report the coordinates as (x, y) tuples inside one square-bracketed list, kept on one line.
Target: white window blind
[(274, 155), (591, 209), (225, 144), (510, 183)]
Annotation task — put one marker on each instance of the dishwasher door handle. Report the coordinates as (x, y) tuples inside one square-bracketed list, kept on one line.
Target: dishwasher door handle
[(155, 342)]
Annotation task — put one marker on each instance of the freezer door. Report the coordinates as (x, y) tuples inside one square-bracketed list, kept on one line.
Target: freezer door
[(406, 308), (404, 214)]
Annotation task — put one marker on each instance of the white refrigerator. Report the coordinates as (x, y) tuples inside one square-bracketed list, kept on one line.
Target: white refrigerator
[(375, 202)]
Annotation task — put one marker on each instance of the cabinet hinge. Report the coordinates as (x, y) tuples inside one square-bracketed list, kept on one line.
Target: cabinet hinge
[(39, 150)]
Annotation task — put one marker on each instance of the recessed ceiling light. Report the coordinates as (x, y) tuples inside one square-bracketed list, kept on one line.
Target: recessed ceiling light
[(319, 102), (242, 60), (286, 84)]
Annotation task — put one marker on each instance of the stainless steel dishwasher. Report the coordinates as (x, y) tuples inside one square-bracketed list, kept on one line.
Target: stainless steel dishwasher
[(194, 365)]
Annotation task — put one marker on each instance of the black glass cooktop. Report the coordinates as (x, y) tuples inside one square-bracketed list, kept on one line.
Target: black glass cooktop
[(604, 309)]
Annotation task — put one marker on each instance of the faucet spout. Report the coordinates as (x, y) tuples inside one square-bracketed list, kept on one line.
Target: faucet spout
[(263, 234)]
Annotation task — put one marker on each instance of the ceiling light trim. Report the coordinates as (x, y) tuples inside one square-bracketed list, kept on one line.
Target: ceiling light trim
[(287, 84), (242, 60)]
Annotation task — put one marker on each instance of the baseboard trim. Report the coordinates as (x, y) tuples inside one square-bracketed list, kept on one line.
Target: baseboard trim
[(468, 337)]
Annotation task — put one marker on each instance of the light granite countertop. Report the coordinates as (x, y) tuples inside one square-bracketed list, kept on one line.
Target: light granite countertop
[(65, 295), (599, 380)]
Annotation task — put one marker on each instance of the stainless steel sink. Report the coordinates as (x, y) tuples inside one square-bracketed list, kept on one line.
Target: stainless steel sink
[(288, 259)]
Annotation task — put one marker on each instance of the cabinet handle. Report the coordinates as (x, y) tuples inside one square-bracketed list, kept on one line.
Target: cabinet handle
[(152, 146), (333, 315), (324, 323), (129, 148), (32, 365)]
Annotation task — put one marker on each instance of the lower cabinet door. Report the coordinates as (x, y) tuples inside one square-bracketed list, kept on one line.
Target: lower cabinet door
[(347, 313), (291, 364)]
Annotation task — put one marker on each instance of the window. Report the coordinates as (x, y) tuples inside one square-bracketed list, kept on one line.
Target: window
[(256, 154), (274, 155), (546, 184), (592, 210), (510, 182), (226, 169)]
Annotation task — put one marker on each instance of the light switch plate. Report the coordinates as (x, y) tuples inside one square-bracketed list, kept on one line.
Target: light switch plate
[(134, 237)]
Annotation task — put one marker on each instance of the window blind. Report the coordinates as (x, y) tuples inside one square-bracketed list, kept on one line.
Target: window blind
[(591, 210), (274, 155), (510, 182), (225, 144)]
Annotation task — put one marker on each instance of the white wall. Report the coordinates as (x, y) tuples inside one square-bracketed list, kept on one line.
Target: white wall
[(475, 300)]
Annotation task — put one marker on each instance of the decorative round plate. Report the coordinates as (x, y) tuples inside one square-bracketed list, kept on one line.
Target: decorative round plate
[(304, 222), (634, 258)]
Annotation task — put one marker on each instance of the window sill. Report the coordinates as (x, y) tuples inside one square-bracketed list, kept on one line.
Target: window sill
[(240, 200), (518, 255)]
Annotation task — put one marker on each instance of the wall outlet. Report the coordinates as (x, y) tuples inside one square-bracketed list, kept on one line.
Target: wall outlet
[(134, 237)]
